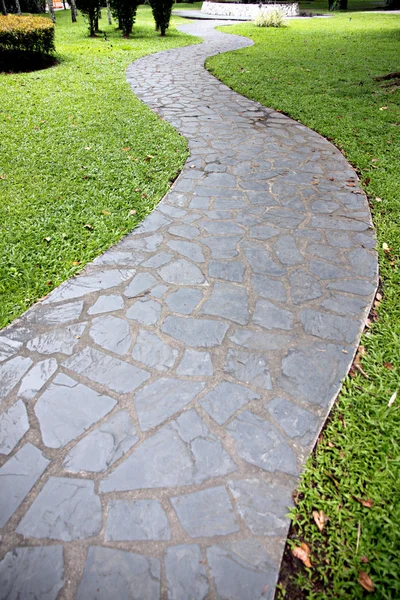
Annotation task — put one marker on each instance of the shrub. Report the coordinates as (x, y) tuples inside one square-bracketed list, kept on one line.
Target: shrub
[(27, 34), (162, 14), (125, 13), (89, 8), (270, 18)]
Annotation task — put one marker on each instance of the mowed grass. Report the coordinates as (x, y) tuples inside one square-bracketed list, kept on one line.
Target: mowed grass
[(322, 72), (78, 153)]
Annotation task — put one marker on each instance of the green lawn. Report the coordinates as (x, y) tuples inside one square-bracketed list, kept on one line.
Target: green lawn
[(78, 152), (322, 72)]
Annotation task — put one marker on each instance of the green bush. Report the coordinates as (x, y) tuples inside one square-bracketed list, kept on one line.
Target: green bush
[(27, 34), (270, 18), (161, 13), (125, 13)]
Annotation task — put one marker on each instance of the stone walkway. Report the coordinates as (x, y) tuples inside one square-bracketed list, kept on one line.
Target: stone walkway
[(157, 409)]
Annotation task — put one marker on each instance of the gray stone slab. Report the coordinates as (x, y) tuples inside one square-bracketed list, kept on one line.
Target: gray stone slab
[(185, 573), (119, 258), (287, 251), (195, 333), (326, 326), (339, 224), (158, 260), (363, 262), (229, 302), (270, 316), (30, 573), (206, 513), (8, 347), (184, 301), (220, 180), (63, 340), (325, 270), (152, 223), (11, 373), (139, 284), (266, 287), (195, 364), (35, 379), (17, 477), (111, 333), (65, 509), (191, 250), (182, 453), (109, 571), (105, 304), (221, 246), (152, 351), (85, 284), (251, 368), (228, 270), (145, 311), (115, 374), (355, 286), (182, 272), (260, 260), (13, 425), (136, 521), (225, 399), (345, 305), (304, 287), (221, 227), (159, 291), (263, 232), (259, 443), (184, 231), (285, 218), (57, 315), (100, 448), (260, 340), (162, 398), (263, 506), (149, 243), (296, 422)]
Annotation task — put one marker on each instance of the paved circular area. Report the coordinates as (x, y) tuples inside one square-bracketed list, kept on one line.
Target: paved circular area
[(157, 409)]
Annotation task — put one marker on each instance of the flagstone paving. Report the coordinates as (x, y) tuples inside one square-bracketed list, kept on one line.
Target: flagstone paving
[(156, 410)]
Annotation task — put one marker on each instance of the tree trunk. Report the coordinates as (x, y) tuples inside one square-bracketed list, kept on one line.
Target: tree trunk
[(18, 7), (73, 10), (3, 7), (108, 12), (343, 4), (65, 8), (51, 10)]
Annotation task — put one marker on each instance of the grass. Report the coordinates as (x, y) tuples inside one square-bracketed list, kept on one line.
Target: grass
[(78, 153), (322, 73)]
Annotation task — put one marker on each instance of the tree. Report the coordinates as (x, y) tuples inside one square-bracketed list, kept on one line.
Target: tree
[(125, 12), (73, 10), (3, 7), (162, 14), (51, 10), (89, 9)]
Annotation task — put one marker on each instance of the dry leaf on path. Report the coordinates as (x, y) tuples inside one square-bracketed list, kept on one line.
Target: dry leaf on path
[(366, 582), (320, 519), (392, 399)]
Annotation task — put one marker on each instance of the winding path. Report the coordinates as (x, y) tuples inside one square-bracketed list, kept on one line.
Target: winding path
[(157, 409)]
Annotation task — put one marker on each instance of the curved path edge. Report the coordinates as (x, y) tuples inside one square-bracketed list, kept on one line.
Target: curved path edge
[(156, 411)]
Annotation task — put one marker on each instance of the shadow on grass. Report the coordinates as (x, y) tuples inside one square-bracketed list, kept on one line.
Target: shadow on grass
[(12, 61)]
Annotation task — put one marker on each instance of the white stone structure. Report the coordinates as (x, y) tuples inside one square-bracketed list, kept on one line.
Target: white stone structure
[(247, 11)]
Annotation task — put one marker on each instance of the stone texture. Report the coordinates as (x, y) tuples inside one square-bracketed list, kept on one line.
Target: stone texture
[(54, 315), (100, 448), (145, 311), (270, 316), (182, 272), (162, 398), (115, 374), (260, 260), (229, 270), (186, 573), (17, 477), (195, 333), (65, 509), (184, 301), (268, 288), (85, 284), (287, 251), (57, 340), (105, 304), (304, 287), (326, 326), (153, 352), (189, 249), (296, 422), (229, 302), (133, 521), (195, 364), (250, 368), (109, 572), (11, 373), (206, 513), (8, 348), (111, 333), (225, 399), (139, 284), (36, 378), (260, 340), (222, 247), (36, 572), (13, 426)]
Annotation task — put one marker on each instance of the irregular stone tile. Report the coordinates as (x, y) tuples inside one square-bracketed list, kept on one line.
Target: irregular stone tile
[(270, 316), (100, 448), (134, 576), (153, 352), (221, 227), (68, 408), (260, 443), (339, 239), (111, 333), (65, 509), (147, 244), (328, 326), (263, 506), (296, 422), (117, 258), (263, 232), (8, 347), (325, 252), (17, 477), (85, 284), (106, 304), (13, 426), (171, 211), (229, 302), (261, 198), (160, 399), (57, 315), (206, 513), (115, 374), (19, 334), (186, 573), (325, 270), (345, 305), (158, 260), (146, 311), (285, 218), (222, 247), (195, 364), (189, 249), (355, 286), (195, 333), (260, 340), (304, 287), (35, 379), (185, 231), (229, 203), (159, 291), (62, 340), (268, 288), (366, 240), (139, 284), (184, 301), (363, 262), (249, 368), (231, 271), (182, 272), (242, 570), (260, 260), (152, 222), (286, 250), (220, 180), (337, 223), (140, 520), (11, 373), (182, 453), (225, 399), (36, 572)]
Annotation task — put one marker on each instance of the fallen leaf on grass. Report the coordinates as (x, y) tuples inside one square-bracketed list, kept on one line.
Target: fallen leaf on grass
[(367, 503), (302, 552), (88, 226), (126, 149), (388, 365), (75, 263), (364, 559), (377, 199), (132, 212), (106, 212), (47, 239), (392, 399), (366, 582), (149, 157), (383, 108), (320, 519)]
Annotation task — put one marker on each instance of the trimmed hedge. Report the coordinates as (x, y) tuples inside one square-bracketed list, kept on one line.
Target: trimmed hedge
[(27, 34)]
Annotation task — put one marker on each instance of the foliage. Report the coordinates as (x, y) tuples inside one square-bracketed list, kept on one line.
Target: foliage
[(323, 73), (27, 34), (125, 12), (270, 18), (75, 148), (162, 14), (90, 9)]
